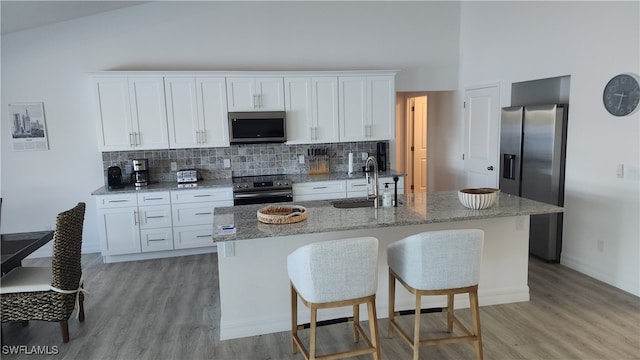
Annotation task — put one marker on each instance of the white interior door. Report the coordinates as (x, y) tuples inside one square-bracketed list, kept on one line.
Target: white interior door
[(481, 127), (420, 144)]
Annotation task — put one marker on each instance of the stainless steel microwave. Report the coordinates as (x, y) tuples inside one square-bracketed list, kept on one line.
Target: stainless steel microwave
[(257, 127)]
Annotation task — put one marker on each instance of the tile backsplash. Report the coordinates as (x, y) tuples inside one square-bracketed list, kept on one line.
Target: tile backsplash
[(247, 159)]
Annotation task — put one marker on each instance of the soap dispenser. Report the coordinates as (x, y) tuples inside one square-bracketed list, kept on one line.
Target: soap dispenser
[(386, 196)]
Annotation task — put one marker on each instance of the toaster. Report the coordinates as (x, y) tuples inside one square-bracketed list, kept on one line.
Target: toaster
[(187, 176)]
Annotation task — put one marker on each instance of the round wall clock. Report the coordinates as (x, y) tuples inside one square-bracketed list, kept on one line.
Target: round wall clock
[(622, 94)]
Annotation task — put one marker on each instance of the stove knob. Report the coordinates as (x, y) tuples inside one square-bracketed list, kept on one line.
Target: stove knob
[(278, 184), (286, 184), (246, 186)]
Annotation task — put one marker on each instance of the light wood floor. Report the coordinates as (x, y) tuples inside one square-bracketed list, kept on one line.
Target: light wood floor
[(170, 309)]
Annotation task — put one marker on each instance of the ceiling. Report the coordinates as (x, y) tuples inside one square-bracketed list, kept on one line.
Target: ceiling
[(23, 15)]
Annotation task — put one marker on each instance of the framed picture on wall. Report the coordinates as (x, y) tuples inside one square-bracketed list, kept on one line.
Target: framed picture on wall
[(28, 127)]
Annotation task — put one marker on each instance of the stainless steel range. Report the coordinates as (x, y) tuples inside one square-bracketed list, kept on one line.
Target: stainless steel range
[(261, 189)]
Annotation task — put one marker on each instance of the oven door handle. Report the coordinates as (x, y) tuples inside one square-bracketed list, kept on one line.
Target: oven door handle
[(262, 194)]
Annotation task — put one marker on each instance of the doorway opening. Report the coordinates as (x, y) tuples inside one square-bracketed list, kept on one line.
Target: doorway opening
[(413, 148)]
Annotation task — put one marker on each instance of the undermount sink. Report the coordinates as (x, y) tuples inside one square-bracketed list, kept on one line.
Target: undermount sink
[(352, 203)]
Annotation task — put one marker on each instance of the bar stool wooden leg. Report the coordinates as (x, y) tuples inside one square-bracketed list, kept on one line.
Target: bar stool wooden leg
[(475, 318), (392, 302), (294, 319), (450, 313), (312, 344), (373, 328), (416, 328), (356, 323)]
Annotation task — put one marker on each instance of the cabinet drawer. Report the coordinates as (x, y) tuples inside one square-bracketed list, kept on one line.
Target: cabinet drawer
[(116, 201), (156, 216), (154, 198), (319, 190), (193, 236), (317, 187), (358, 188), (156, 239), (193, 214), (192, 196)]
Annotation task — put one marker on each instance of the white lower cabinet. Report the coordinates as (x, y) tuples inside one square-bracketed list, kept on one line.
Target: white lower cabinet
[(186, 237), (192, 212), (360, 188), (136, 223), (319, 190), (119, 230), (156, 239)]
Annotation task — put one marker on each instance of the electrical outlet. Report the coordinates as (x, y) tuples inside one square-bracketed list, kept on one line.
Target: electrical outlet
[(174, 166), (365, 156), (229, 249), (301, 159), (620, 171), (227, 163)]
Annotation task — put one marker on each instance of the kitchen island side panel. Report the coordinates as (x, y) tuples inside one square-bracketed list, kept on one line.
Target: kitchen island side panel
[(254, 285)]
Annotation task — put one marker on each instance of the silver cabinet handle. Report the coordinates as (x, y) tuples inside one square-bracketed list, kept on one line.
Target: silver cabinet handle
[(204, 213), (131, 139), (202, 195), (204, 236), (155, 217), (136, 220), (138, 142), (256, 100), (155, 198), (319, 187), (156, 239), (354, 185), (117, 201)]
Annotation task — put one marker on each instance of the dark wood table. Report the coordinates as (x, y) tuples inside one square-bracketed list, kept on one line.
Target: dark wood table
[(15, 247)]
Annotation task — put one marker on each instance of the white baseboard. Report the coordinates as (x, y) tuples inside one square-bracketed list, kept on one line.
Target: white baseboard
[(574, 263)]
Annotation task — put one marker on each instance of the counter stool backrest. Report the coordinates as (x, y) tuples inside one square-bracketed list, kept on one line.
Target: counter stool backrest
[(437, 260), (335, 270)]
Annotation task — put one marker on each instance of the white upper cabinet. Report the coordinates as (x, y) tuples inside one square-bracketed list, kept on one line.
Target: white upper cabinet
[(196, 112), (255, 93), (311, 104), (131, 113), (367, 108)]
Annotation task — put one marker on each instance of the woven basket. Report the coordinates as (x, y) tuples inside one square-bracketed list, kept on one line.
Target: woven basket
[(282, 214)]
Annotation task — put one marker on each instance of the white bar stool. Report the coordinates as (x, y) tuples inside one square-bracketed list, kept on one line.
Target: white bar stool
[(331, 274), (437, 263)]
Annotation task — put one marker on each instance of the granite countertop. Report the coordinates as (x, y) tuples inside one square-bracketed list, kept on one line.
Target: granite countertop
[(220, 183), (165, 186), (418, 209)]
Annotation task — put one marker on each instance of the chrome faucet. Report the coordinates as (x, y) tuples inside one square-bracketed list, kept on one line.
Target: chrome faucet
[(375, 179)]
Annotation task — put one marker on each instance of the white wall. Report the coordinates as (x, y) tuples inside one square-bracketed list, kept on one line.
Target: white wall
[(50, 65), (509, 42)]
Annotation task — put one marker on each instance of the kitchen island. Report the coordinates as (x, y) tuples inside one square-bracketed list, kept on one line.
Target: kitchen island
[(254, 285)]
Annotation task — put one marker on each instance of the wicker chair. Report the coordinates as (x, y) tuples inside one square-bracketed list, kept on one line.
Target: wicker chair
[(49, 294)]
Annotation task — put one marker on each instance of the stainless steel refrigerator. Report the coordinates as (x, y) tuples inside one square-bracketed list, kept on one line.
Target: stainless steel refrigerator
[(532, 163)]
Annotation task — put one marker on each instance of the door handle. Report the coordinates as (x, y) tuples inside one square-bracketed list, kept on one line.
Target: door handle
[(490, 168)]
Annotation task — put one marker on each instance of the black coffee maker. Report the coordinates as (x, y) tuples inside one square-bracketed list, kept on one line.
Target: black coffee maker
[(140, 174), (114, 178)]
